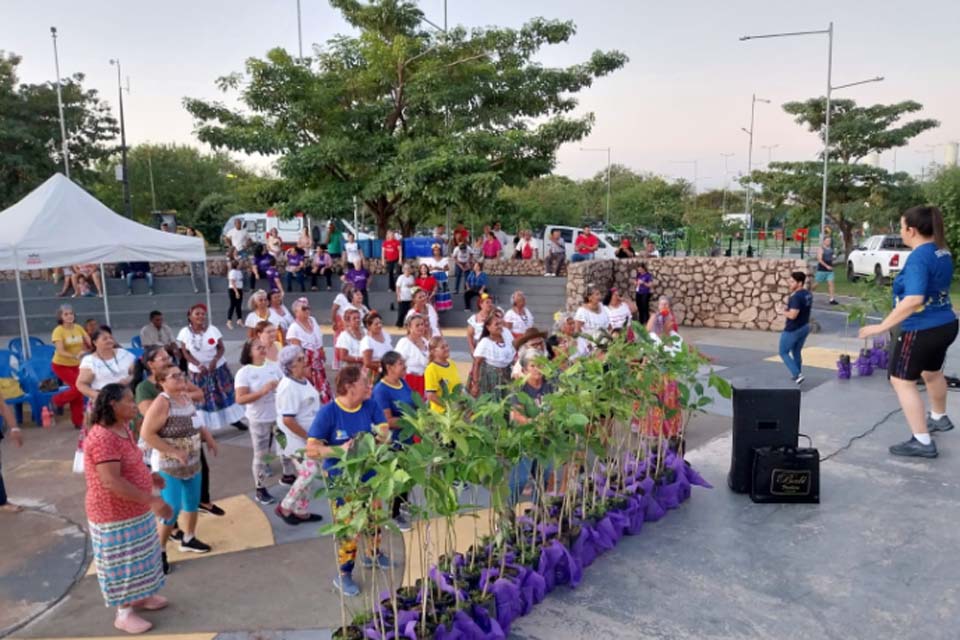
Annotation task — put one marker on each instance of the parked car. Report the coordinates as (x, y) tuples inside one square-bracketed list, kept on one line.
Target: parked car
[(258, 224), (880, 256), (606, 250)]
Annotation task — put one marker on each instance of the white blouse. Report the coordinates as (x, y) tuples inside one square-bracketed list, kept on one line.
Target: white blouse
[(593, 322), (379, 349), (619, 316), (351, 344), (496, 355), (203, 347), (519, 323), (416, 359), (309, 340)]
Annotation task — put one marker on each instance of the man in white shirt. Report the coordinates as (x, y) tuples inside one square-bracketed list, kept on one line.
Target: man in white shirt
[(238, 237)]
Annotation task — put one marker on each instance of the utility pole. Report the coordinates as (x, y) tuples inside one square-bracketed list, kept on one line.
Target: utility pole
[(127, 205), (63, 124)]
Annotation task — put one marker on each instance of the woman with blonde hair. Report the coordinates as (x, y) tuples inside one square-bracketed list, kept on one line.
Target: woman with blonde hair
[(259, 305), (415, 351), (305, 333), (70, 341)]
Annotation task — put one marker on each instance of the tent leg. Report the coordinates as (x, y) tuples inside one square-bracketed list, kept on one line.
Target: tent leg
[(24, 332), (206, 284), (106, 304)]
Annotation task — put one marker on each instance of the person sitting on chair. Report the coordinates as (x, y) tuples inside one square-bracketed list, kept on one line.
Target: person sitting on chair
[(137, 270)]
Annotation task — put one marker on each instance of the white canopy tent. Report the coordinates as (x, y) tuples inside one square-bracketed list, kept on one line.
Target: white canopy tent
[(59, 224)]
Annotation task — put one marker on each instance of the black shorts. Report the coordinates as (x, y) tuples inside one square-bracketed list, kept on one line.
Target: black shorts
[(924, 350)]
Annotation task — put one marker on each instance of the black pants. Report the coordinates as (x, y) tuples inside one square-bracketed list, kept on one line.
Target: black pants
[(315, 277), (3, 490), (236, 304), (300, 277), (468, 297), (392, 268), (204, 479), (403, 307), (643, 307)]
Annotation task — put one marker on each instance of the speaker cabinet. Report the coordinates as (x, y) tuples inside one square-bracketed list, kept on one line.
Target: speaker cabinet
[(767, 417)]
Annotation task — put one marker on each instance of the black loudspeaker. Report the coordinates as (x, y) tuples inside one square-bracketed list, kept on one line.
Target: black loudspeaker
[(784, 474), (761, 418)]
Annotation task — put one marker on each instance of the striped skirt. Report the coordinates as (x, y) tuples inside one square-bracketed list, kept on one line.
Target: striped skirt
[(443, 299), (127, 557)]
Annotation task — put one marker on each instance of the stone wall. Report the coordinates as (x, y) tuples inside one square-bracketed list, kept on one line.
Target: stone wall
[(727, 293)]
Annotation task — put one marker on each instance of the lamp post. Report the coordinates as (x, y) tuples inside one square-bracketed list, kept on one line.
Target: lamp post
[(726, 176), (830, 89), (606, 222), (127, 206), (63, 124), (299, 32), (753, 108)]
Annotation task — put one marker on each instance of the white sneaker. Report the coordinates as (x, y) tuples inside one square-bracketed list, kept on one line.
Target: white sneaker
[(799, 379)]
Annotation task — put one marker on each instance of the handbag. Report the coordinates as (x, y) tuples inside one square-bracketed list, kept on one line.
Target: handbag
[(785, 475)]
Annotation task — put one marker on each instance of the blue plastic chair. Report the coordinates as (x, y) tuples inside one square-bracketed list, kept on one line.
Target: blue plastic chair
[(16, 346), (42, 352), (136, 342), (136, 351), (32, 373), (9, 370)]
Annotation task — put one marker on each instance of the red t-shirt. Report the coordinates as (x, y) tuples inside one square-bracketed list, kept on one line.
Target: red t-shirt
[(461, 236), (428, 284), (101, 445), (391, 250), (587, 244)]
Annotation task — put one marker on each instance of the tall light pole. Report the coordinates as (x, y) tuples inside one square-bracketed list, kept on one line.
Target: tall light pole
[(753, 108), (63, 124), (726, 175), (127, 206), (299, 32), (769, 148), (606, 222), (830, 89)]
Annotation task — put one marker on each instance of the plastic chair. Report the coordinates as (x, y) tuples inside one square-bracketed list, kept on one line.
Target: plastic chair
[(136, 351), (42, 352), (136, 342), (16, 346), (32, 373), (9, 370)]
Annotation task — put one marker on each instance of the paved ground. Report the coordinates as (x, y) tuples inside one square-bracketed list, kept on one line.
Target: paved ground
[(874, 560)]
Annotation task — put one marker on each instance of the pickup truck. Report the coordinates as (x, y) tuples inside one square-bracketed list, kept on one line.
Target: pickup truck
[(606, 250), (880, 256)]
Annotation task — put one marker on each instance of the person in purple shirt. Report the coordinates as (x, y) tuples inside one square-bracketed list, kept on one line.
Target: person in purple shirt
[(644, 284), (358, 276), (296, 268), (262, 261)]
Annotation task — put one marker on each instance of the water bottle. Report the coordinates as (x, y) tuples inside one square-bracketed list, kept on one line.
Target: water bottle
[(46, 417)]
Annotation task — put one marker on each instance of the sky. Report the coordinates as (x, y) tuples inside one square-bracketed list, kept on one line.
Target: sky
[(682, 99)]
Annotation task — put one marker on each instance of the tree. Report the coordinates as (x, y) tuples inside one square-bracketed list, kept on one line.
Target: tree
[(30, 141), (403, 117), (212, 213), (944, 192), (543, 201), (855, 132)]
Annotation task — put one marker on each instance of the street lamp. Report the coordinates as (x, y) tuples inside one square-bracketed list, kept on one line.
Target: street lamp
[(606, 222), (63, 125), (299, 32), (753, 107), (830, 88), (127, 206)]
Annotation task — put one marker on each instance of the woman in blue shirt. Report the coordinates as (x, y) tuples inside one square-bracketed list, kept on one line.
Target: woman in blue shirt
[(928, 326), (392, 394)]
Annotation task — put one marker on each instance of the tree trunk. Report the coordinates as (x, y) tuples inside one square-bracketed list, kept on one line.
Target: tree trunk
[(383, 211), (846, 230)]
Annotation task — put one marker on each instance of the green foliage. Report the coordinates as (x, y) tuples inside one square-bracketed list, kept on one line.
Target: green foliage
[(944, 192), (210, 215), (407, 119), (30, 141)]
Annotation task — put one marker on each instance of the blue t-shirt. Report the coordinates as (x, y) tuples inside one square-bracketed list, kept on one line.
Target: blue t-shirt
[(476, 280), (802, 300), (335, 425), (927, 272), (393, 398)]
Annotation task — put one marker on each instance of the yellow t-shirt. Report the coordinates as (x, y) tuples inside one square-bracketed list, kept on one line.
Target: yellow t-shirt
[(434, 375), (72, 342)]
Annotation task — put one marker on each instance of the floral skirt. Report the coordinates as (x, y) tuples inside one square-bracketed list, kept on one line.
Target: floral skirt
[(219, 408), (127, 558), (317, 374), (442, 299)]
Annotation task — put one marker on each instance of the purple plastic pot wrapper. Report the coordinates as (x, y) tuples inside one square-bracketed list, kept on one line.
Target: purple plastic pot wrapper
[(583, 550), (619, 522), (533, 588), (634, 513), (453, 633), (474, 629), (443, 582), (407, 623), (668, 495), (509, 602), (607, 534), (558, 567)]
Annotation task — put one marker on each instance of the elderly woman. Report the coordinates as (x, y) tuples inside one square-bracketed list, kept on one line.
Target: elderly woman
[(518, 318), (422, 307), (415, 351), (70, 341), (256, 383), (122, 510), (202, 346), (348, 346), (394, 396), (374, 344), (305, 333), (106, 365), (441, 375), (591, 317), (492, 359), (439, 267), (297, 405), (564, 340), (259, 304), (280, 316)]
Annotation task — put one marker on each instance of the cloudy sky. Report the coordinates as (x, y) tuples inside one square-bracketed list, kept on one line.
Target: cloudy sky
[(684, 95)]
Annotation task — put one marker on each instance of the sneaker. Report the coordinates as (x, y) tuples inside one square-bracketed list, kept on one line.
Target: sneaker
[(913, 448), (177, 535), (799, 379), (289, 518), (263, 496), (382, 561), (943, 424), (240, 426), (194, 545), (229, 324), (402, 523), (150, 293), (834, 301), (129, 292), (213, 510), (131, 623), (344, 584), (166, 563), (288, 480)]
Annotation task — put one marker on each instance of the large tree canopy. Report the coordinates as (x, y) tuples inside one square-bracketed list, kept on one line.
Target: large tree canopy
[(30, 142), (856, 193), (407, 118)]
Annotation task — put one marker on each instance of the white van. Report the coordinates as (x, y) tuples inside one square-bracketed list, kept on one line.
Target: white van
[(259, 224)]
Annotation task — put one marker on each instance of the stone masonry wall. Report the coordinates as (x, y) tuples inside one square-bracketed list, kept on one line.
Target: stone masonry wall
[(727, 293)]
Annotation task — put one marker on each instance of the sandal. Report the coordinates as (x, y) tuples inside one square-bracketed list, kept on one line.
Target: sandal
[(132, 623), (151, 603), (11, 508)]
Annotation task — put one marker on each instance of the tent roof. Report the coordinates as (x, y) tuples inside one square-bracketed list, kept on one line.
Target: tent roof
[(59, 224)]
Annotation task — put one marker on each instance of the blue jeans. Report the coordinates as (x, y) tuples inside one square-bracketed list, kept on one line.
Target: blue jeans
[(461, 275), (132, 276), (581, 257), (791, 343), (300, 277), (524, 471)]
